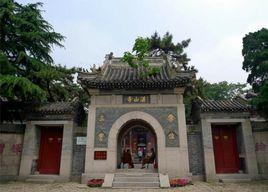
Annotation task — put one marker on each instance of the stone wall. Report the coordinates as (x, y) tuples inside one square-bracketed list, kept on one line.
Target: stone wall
[(79, 152), (260, 134), (195, 148), (11, 139)]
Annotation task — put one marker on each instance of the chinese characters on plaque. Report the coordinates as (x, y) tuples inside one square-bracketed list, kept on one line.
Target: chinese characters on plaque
[(100, 155), (136, 99)]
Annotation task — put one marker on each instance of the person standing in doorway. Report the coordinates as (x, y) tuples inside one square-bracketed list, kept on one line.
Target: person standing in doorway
[(127, 158), (150, 157)]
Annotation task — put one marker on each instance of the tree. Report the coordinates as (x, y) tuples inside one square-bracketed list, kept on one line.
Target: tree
[(218, 91), (27, 69), (255, 53), (166, 47), (157, 46), (213, 91)]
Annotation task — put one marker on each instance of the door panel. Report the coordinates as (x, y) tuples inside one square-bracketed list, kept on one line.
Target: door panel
[(50, 150), (225, 149)]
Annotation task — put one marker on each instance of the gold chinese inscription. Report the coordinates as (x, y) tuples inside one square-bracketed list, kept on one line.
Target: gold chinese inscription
[(171, 117), (134, 99), (101, 118), (171, 135), (101, 136)]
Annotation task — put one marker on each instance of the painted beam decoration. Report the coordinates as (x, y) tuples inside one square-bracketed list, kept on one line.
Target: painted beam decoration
[(136, 99)]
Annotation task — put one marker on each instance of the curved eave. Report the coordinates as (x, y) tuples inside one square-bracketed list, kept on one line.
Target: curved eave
[(169, 84)]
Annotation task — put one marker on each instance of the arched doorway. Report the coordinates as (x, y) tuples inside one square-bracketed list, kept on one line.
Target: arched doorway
[(138, 137)]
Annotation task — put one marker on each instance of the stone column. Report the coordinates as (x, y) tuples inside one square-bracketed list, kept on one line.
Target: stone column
[(183, 145), (251, 161), (208, 151), (28, 151), (67, 150), (90, 142)]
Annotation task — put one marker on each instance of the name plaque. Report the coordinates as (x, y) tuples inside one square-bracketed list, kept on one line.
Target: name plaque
[(100, 155), (136, 99), (81, 140)]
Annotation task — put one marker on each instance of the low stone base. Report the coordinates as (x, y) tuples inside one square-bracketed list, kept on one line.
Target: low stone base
[(108, 180), (7, 178), (232, 178), (198, 178), (164, 181), (44, 178)]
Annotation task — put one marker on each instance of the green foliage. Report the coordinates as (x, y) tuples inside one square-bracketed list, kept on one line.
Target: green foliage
[(262, 100), (213, 91), (138, 57), (255, 52), (157, 46), (218, 91), (20, 87), (27, 70), (164, 46)]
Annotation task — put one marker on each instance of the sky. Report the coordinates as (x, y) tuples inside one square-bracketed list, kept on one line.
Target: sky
[(94, 28)]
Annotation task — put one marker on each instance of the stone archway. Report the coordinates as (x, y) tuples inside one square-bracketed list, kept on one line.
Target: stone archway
[(119, 124), (139, 138)]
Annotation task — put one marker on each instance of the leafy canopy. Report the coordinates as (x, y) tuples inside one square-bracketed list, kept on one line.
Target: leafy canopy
[(218, 91), (26, 42), (157, 46), (212, 91), (255, 53)]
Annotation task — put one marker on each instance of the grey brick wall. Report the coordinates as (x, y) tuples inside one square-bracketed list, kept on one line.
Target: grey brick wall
[(79, 153), (195, 148)]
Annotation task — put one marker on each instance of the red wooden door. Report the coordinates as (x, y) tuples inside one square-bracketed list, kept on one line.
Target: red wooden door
[(225, 149), (50, 150)]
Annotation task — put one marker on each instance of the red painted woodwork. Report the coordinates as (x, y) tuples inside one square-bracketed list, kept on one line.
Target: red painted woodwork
[(50, 150), (225, 149)]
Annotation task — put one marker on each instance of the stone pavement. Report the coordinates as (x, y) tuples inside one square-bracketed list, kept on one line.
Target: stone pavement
[(256, 186)]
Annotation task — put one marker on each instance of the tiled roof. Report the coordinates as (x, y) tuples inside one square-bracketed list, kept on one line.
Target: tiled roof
[(231, 105), (56, 108), (115, 74)]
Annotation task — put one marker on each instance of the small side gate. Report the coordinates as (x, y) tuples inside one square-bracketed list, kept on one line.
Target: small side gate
[(50, 150), (225, 149)]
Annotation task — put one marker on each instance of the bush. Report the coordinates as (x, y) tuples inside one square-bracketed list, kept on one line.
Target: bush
[(95, 182), (179, 182)]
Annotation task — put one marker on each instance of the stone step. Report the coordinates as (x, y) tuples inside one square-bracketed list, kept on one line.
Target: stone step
[(127, 174), (136, 179), (233, 176), (137, 170), (39, 180), (135, 184), (45, 179), (235, 180)]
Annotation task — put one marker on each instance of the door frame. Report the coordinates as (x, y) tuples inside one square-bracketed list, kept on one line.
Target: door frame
[(250, 156), (31, 147), (41, 154), (221, 128)]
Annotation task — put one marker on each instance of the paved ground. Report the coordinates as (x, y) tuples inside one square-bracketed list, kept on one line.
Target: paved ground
[(257, 186)]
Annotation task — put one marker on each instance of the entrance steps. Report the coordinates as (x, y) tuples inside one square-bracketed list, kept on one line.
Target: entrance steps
[(233, 178), (46, 179), (136, 180)]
